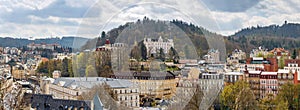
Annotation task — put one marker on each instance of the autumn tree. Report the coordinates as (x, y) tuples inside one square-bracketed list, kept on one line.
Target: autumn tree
[(268, 102), (238, 95), (289, 93)]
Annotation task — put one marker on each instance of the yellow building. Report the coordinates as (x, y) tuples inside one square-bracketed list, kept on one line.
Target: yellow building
[(154, 84)]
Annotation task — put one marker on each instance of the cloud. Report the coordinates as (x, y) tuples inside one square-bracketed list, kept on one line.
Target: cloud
[(230, 5), (90, 17)]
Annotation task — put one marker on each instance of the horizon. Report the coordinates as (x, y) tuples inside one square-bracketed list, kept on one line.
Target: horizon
[(44, 19)]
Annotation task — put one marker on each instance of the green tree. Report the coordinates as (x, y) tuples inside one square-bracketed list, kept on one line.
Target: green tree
[(143, 51), (294, 55), (281, 62), (288, 93), (65, 66), (162, 55)]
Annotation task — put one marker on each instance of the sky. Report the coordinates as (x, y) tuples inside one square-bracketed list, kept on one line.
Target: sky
[(87, 18)]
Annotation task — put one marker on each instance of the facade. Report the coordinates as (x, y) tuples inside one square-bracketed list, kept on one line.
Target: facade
[(266, 64), (127, 93), (236, 56), (279, 52), (73, 88), (154, 84), (285, 76), (253, 78), (47, 102), (56, 74), (259, 51), (154, 45), (232, 77), (268, 84), (113, 53), (213, 56), (34, 46)]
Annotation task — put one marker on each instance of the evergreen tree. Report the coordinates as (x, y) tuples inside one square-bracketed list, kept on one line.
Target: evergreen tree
[(143, 51), (294, 55)]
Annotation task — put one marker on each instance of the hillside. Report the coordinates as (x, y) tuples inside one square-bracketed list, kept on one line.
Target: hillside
[(286, 36), (175, 29), (74, 42), (291, 30)]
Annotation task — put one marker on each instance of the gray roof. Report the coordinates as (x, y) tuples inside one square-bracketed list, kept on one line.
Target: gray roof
[(89, 82)]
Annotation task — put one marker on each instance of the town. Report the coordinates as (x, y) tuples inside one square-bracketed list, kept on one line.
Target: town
[(153, 75)]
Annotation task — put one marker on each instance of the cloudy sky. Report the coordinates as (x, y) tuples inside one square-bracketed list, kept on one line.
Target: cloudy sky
[(87, 18)]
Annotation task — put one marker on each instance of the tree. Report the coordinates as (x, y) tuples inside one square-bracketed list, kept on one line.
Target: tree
[(281, 62), (294, 55), (143, 51), (172, 54), (238, 95), (246, 100), (288, 93), (162, 55), (90, 71), (267, 103), (135, 54), (195, 101)]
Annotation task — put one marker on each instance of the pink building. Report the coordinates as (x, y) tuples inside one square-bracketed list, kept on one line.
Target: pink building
[(268, 84)]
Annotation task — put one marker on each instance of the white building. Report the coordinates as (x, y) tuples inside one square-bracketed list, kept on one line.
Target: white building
[(154, 45), (71, 88), (213, 56), (236, 56)]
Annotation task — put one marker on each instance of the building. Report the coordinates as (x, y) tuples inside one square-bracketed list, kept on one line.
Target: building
[(19, 72), (236, 57), (211, 85), (279, 52), (116, 54), (33, 46), (253, 78), (154, 45), (285, 76), (232, 77), (56, 74), (292, 64), (72, 88), (268, 84), (47, 102), (259, 52), (213, 56), (126, 93), (153, 84), (267, 64)]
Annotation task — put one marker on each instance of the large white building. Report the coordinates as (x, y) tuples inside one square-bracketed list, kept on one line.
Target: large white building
[(213, 56), (154, 45), (127, 92)]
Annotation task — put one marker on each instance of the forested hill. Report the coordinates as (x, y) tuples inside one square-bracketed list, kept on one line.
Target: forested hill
[(285, 30), (287, 36), (148, 27), (74, 42)]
